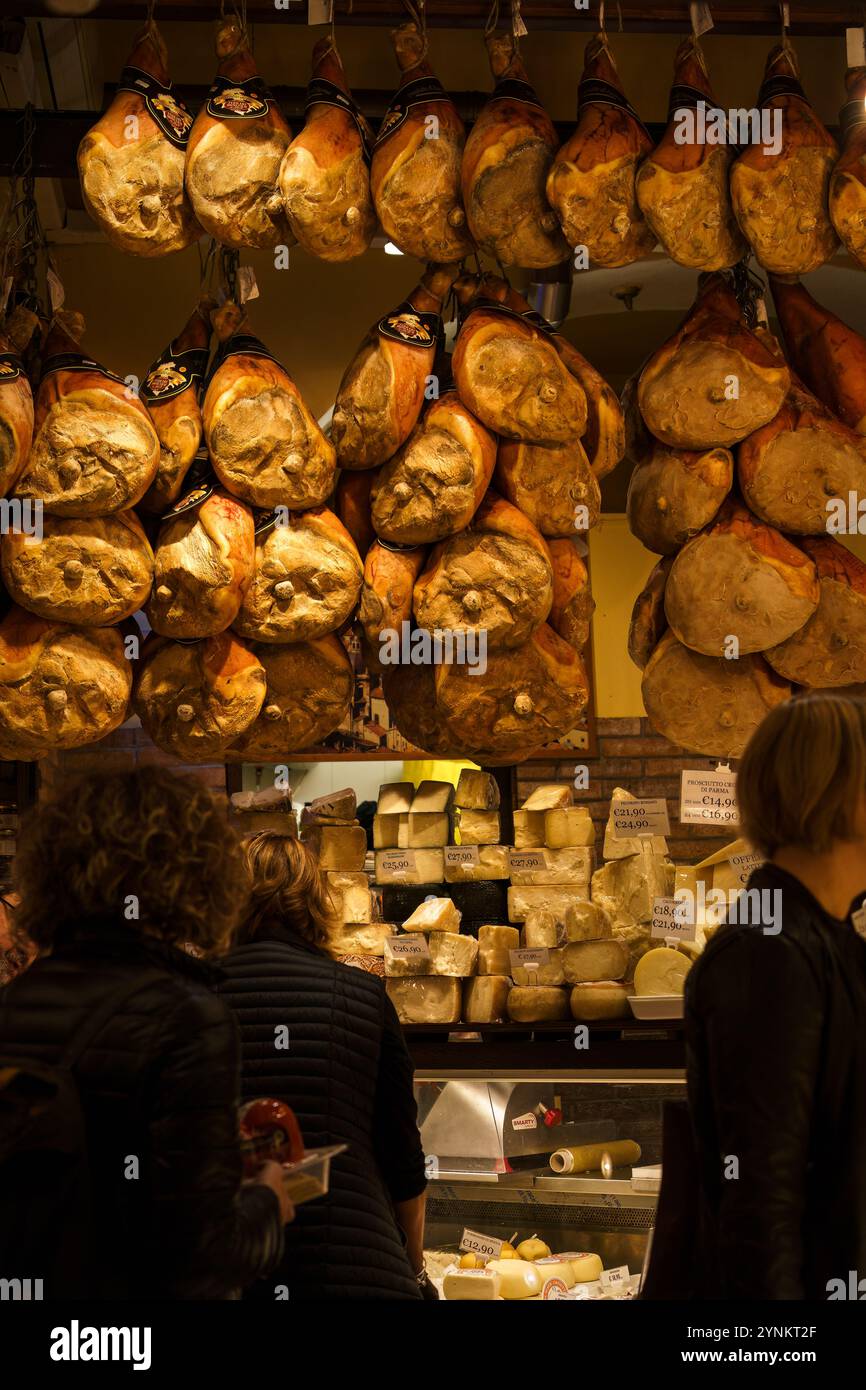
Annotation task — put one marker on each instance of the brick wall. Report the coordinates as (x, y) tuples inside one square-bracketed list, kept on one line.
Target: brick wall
[(633, 756), (127, 748)]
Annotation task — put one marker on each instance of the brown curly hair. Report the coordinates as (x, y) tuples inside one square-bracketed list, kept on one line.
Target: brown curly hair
[(149, 835), (287, 889)]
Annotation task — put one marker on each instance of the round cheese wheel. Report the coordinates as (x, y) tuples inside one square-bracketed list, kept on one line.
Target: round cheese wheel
[(661, 971), (594, 960), (599, 999), (537, 1004), (586, 1267), (517, 1278)]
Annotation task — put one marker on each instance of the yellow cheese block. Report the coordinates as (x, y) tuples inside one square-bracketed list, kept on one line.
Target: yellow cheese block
[(494, 960), (566, 827), (540, 930), (517, 1278), (508, 937), (587, 921), (528, 829), (478, 827), (476, 790), (485, 999), (549, 795), (549, 973), (435, 914), (661, 971), (471, 1284), (493, 863), (452, 954), (426, 999), (597, 1000), (594, 960), (351, 897), (395, 797), (537, 1004), (428, 829)]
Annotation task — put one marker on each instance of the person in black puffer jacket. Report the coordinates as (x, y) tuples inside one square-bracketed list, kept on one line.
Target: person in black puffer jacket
[(114, 875), (346, 1073), (775, 1014)]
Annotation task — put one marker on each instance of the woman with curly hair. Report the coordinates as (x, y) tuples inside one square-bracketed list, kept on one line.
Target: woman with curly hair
[(325, 1038), (114, 874)]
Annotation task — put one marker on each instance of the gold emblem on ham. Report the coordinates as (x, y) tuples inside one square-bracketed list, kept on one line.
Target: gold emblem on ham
[(177, 116), (306, 581), (241, 103), (409, 326), (165, 378)]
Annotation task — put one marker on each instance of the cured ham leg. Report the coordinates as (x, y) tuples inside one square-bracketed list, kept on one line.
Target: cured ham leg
[(16, 414), (171, 392), (826, 353), (848, 180)]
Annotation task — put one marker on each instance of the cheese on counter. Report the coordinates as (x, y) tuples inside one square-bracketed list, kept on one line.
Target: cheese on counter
[(686, 876), (471, 1284), (587, 1267), (428, 829), (557, 901), (547, 796), (395, 797), (339, 805), (338, 846), (507, 937), (567, 867), (351, 896), (478, 827), (587, 921), (433, 796), (549, 972), (661, 971), (537, 1004), (626, 888), (494, 960), (476, 790), (452, 954), (361, 938), (492, 864), (599, 1000), (528, 829), (485, 998), (517, 1278), (566, 827), (425, 866), (540, 930), (557, 1267), (426, 999), (585, 961), (621, 849), (436, 914)]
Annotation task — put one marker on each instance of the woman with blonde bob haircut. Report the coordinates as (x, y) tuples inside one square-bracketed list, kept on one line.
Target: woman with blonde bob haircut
[(776, 1023), (323, 1037)]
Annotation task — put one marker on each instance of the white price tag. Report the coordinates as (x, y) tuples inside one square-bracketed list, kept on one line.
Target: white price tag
[(247, 286), (632, 818), (523, 859), (745, 865), (610, 1278), (672, 918), (529, 957), (461, 854), (856, 48), (488, 1246), (709, 798), (554, 1289), (413, 946), (527, 1121), (56, 292), (400, 861)]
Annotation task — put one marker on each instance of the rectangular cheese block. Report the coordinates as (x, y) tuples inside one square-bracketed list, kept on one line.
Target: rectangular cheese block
[(567, 826), (587, 922), (426, 999), (548, 972), (528, 829), (424, 866), (540, 930), (494, 935), (492, 863), (340, 804), (433, 796), (587, 961), (476, 790), (494, 960), (452, 954), (395, 797), (621, 849), (338, 846), (386, 831), (478, 827), (360, 938), (523, 900), (471, 1285), (625, 888), (428, 829), (485, 998), (436, 914), (548, 795), (564, 866), (351, 896)]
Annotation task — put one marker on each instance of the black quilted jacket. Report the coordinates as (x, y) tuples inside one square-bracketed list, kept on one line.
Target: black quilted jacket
[(348, 1076), (159, 1081), (776, 1052)]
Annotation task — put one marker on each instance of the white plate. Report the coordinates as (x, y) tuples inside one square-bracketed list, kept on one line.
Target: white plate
[(656, 1005)]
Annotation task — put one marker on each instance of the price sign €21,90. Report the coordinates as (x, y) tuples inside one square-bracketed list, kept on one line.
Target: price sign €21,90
[(634, 818)]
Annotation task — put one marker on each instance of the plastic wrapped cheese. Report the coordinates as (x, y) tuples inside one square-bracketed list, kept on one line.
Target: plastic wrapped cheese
[(471, 1284), (586, 921), (528, 829), (485, 998), (493, 863), (478, 827), (567, 827), (434, 914), (598, 1000), (549, 972), (523, 900), (351, 896), (476, 790), (537, 1004), (517, 1278), (506, 937), (570, 867), (594, 960), (452, 954), (426, 999), (540, 930), (548, 795), (661, 971)]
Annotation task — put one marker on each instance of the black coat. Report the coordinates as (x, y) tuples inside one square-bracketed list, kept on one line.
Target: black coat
[(348, 1076), (160, 1082), (776, 1055)]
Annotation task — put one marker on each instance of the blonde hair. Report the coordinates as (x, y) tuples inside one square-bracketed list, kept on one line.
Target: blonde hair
[(803, 773), (287, 888)]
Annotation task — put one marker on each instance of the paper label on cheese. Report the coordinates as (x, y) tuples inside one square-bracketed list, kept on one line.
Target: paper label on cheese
[(554, 1289), (648, 817), (672, 918), (414, 947), (527, 1121), (745, 865), (488, 1246), (460, 854), (610, 1278), (529, 958), (709, 798), (399, 861), (523, 859)]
